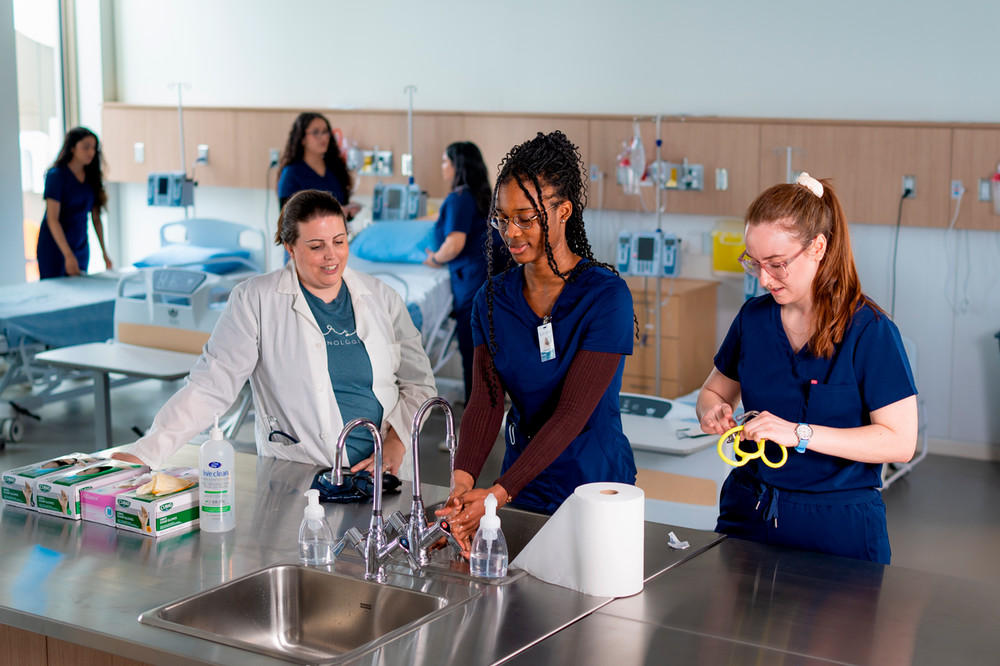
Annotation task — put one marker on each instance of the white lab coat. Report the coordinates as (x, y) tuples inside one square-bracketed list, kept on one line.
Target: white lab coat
[(268, 334)]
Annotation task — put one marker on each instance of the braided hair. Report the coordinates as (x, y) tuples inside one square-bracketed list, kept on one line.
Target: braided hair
[(547, 160)]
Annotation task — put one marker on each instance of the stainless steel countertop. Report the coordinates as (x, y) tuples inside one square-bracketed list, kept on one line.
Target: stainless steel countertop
[(748, 603), (87, 583)]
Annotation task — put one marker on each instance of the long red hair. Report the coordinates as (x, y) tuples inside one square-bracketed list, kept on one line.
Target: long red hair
[(836, 289)]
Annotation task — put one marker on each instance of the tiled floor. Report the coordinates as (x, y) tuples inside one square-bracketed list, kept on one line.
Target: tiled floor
[(944, 516)]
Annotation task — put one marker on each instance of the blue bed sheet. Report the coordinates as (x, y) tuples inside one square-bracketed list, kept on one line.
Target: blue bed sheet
[(59, 312)]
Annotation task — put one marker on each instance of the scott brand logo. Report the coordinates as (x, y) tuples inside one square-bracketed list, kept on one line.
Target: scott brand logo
[(215, 464)]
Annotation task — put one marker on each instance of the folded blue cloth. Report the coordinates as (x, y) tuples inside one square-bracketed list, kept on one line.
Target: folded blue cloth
[(400, 241)]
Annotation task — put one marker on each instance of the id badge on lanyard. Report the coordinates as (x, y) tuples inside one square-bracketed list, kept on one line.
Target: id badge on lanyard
[(546, 343)]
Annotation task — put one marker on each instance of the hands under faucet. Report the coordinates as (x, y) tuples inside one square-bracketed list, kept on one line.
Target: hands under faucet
[(465, 507)]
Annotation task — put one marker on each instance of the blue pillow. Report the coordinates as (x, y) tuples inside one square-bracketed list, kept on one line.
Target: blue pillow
[(208, 259), (403, 242)]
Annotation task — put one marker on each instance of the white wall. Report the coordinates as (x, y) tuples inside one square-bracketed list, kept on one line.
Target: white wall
[(917, 60), (11, 217)]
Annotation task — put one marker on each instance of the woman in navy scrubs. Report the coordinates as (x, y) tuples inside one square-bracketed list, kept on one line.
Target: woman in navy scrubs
[(825, 367), (552, 334), (312, 161), (74, 188), (460, 233)]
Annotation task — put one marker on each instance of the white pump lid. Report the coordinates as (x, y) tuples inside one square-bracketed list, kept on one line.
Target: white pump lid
[(216, 431), (313, 509), (491, 521)]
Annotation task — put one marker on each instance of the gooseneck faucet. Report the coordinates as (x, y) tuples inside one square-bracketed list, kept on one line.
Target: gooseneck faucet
[(422, 535), (373, 547)]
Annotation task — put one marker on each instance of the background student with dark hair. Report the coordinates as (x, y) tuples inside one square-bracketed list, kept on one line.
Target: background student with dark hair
[(461, 233), (312, 161), (74, 188)]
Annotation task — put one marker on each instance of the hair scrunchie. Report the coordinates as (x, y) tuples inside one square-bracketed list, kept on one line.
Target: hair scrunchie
[(810, 183)]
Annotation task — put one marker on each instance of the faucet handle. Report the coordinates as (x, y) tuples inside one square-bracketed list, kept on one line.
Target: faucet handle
[(456, 547), (404, 545), (397, 522), (356, 539)]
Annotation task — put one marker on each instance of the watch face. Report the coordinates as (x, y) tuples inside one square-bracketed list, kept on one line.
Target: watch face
[(803, 431)]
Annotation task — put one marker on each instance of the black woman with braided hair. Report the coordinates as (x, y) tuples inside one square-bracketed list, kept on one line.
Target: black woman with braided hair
[(551, 333)]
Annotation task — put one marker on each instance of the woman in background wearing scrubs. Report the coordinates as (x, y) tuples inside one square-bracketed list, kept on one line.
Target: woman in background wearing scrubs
[(312, 161), (825, 367), (552, 334), (320, 343), (460, 233), (74, 187)]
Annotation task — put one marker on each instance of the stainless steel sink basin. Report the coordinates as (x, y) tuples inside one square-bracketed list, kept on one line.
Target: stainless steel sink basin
[(301, 614)]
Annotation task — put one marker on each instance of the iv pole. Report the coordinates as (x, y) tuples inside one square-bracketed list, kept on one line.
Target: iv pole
[(409, 127), (180, 85), (659, 283)]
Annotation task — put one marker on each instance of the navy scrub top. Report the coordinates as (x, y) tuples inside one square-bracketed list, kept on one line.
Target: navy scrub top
[(593, 312), (468, 270), (868, 370), (76, 201), (299, 176)]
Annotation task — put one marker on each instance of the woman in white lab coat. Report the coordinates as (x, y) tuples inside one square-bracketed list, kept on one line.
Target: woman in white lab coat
[(307, 379)]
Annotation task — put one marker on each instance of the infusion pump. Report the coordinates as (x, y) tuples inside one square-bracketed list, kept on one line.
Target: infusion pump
[(648, 253), (171, 188), (398, 202)]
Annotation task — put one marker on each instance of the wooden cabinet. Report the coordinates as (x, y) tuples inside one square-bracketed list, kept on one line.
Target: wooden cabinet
[(687, 336), (27, 648)]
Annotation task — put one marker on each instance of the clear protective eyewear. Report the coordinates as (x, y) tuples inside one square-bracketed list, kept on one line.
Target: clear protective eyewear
[(776, 269), (500, 224)]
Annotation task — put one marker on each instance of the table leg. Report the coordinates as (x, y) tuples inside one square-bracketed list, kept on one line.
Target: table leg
[(102, 410)]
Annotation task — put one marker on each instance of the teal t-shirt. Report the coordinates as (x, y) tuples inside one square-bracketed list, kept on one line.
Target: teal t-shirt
[(350, 368)]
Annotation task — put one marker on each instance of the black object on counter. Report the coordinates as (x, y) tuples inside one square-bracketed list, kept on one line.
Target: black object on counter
[(357, 487)]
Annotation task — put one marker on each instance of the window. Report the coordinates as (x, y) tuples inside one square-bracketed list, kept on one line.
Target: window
[(39, 54)]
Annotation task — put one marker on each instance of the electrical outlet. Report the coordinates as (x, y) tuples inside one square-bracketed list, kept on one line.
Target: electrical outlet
[(202, 153), (140, 152), (909, 186), (957, 189), (273, 157), (595, 173), (721, 179)]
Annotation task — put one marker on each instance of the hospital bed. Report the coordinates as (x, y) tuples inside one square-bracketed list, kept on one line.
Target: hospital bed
[(64, 312)]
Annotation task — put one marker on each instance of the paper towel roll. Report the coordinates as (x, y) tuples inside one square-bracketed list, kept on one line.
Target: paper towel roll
[(593, 543)]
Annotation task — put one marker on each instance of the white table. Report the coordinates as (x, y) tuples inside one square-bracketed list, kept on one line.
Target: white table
[(681, 475), (103, 359)]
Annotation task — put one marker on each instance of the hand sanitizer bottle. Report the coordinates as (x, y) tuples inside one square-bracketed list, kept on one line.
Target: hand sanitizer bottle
[(315, 535), (488, 558), (216, 484)]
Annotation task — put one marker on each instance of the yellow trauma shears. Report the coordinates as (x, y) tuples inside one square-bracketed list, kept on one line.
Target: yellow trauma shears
[(743, 457)]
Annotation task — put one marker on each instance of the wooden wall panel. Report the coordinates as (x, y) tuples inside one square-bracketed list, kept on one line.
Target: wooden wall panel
[(867, 164), (733, 146), (867, 160), (975, 153)]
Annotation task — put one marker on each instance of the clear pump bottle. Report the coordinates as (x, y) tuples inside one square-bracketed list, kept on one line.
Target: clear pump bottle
[(316, 545), (488, 558), (216, 483)]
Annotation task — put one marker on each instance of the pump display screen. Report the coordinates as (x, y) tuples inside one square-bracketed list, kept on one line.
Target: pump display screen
[(645, 248), (164, 185), (394, 199)]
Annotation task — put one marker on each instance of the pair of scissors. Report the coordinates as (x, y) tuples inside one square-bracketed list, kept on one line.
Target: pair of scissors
[(731, 436)]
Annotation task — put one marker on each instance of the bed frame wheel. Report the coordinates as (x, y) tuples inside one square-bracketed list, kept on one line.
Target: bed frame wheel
[(11, 430)]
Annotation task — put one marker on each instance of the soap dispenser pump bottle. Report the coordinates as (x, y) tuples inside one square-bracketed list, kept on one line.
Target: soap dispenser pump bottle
[(216, 483), (316, 546), (488, 558)]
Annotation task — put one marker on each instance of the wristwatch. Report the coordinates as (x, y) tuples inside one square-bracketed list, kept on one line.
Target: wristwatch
[(804, 433)]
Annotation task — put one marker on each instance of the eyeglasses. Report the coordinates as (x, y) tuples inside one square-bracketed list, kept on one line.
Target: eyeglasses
[(277, 435), (776, 269), (500, 224), (319, 133)]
